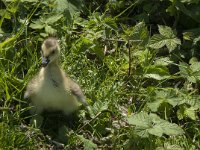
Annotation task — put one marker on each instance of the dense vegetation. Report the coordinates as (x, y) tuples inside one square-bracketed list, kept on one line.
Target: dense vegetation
[(137, 61)]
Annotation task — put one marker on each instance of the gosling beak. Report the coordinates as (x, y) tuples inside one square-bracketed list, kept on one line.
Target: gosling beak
[(45, 61)]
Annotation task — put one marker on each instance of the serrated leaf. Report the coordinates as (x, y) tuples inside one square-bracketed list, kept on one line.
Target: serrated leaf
[(190, 112), (141, 119), (98, 107), (156, 130), (171, 128), (166, 31), (110, 23), (142, 132), (4, 13), (155, 104), (30, 1), (156, 76), (153, 124), (49, 29), (172, 43), (87, 144), (195, 67), (157, 41), (166, 37), (72, 6), (37, 25), (167, 127), (163, 96), (184, 69), (163, 61), (54, 18)]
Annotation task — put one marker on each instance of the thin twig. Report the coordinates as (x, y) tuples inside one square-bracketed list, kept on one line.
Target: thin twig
[(130, 59)]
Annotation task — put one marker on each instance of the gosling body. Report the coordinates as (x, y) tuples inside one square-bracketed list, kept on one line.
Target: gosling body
[(51, 89)]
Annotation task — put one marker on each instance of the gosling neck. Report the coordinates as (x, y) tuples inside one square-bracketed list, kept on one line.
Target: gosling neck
[(55, 62)]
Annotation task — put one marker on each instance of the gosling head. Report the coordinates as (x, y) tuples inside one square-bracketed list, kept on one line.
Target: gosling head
[(50, 51)]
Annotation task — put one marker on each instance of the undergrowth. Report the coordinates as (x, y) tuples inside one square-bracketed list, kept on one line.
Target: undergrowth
[(136, 61)]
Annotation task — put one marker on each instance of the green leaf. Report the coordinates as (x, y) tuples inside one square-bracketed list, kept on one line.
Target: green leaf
[(153, 124), (155, 104), (167, 127), (72, 6), (195, 66), (30, 1), (166, 37), (156, 76), (157, 41), (141, 119), (157, 72), (166, 31), (97, 108), (184, 69), (172, 44), (163, 61), (52, 19), (190, 112), (110, 23), (171, 128), (156, 130), (49, 29), (163, 96), (87, 144), (37, 24), (4, 13)]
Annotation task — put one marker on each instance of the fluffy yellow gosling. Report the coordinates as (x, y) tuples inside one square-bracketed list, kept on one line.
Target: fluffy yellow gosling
[(51, 89)]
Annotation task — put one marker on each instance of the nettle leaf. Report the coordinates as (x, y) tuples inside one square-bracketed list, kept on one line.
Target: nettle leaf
[(163, 96), (139, 33), (157, 41), (110, 23), (152, 124), (157, 72), (190, 72), (171, 128), (156, 130), (30, 1), (166, 31), (165, 61), (37, 24), (165, 38), (50, 30), (155, 76), (165, 126), (172, 43), (141, 119), (54, 18), (155, 104), (184, 69), (142, 132), (169, 146), (72, 6), (87, 144), (195, 67), (190, 112), (4, 13), (98, 107)]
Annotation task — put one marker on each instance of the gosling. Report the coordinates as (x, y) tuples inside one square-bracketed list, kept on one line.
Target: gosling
[(51, 89)]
